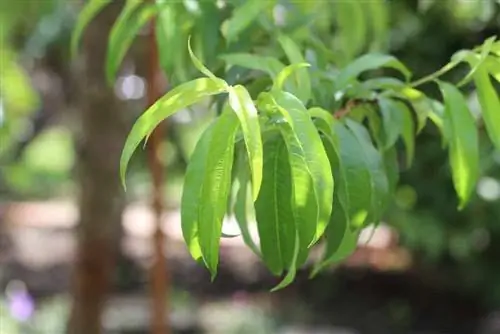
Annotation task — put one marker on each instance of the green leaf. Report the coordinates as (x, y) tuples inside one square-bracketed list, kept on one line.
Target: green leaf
[(286, 73), (373, 161), (368, 62), (133, 16), (215, 187), (191, 193), (357, 175), (378, 12), (269, 65), (241, 102), (273, 208), (178, 98), (290, 276), (302, 80), (315, 156), (490, 104), (408, 133), (197, 63), (351, 22), (392, 119), (242, 17), (242, 204), (463, 141), (340, 240), (167, 34), (476, 61), (91, 9)]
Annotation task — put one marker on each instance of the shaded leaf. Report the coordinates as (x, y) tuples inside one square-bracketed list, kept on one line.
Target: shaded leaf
[(460, 128), (368, 62), (490, 104), (302, 80), (273, 208), (243, 16), (269, 65), (374, 163)]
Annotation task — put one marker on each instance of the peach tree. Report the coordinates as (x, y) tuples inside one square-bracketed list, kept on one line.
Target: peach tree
[(311, 111)]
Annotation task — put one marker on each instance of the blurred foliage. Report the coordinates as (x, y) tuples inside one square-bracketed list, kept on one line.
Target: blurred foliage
[(461, 246)]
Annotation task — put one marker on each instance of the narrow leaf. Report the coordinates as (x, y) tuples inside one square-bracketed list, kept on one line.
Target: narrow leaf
[(463, 141), (198, 64), (178, 98), (191, 193), (279, 83), (215, 188), (490, 104), (242, 204), (314, 153), (392, 120), (374, 163), (408, 133), (91, 9), (241, 102), (273, 208)]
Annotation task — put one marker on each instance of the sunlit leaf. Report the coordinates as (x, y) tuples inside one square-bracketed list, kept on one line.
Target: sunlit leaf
[(478, 61), (198, 64), (463, 142), (91, 9), (241, 102), (178, 98), (134, 15), (215, 187), (282, 76), (273, 208)]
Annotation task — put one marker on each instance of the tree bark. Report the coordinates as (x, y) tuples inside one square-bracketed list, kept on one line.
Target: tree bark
[(103, 132)]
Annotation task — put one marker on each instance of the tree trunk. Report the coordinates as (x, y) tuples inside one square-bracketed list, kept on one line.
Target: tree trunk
[(103, 131)]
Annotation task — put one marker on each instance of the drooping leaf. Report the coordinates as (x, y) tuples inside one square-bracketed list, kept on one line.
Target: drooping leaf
[(91, 10), (302, 80), (242, 204), (357, 176), (290, 276), (242, 17), (462, 135), (301, 124), (241, 102), (368, 62), (133, 16), (392, 119), (178, 98), (191, 193), (373, 160), (408, 133), (215, 187), (490, 104), (273, 208), (269, 65)]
